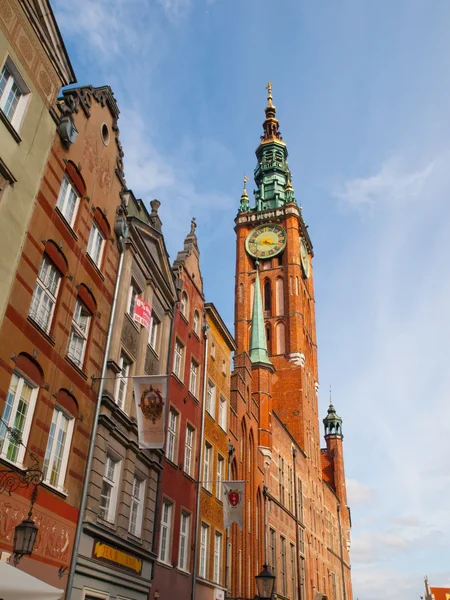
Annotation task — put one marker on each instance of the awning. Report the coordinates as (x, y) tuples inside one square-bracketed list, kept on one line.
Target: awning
[(18, 585)]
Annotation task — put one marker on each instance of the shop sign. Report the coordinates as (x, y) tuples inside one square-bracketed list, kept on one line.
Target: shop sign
[(117, 557)]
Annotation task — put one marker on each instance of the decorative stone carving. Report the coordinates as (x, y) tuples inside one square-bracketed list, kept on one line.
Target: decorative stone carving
[(151, 363), (298, 358), (316, 387), (130, 336)]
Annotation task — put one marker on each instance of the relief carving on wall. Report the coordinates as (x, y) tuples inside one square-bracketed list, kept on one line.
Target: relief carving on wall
[(130, 336), (211, 510), (55, 537), (151, 363)]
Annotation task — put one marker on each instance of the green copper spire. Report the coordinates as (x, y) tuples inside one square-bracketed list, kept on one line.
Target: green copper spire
[(272, 174), (258, 344), (332, 422)]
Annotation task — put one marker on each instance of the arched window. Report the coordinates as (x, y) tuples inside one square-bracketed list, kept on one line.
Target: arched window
[(19, 407), (196, 323), (85, 307), (268, 338), (100, 232), (281, 338), (279, 294), (267, 297), (59, 439), (184, 304)]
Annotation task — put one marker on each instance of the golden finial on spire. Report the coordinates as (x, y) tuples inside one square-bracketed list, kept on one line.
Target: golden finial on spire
[(269, 93), (245, 181)]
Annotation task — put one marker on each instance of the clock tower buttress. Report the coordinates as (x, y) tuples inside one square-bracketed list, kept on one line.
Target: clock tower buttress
[(274, 235)]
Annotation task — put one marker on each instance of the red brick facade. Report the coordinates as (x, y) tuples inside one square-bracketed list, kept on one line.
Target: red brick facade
[(53, 334)]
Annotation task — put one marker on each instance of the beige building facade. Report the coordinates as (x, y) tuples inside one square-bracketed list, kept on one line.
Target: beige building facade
[(34, 66)]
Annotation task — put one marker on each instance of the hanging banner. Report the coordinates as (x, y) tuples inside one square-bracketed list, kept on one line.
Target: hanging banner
[(150, 394), (142, 312), (233, 502)]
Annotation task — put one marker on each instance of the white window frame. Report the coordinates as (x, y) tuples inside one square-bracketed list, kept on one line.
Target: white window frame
[(183, 546), (95, 235), (184, 305), (172, 432), (10, 417), (196, 322), (68, 197), (218, 542), (223, 409), (136, 506), (193, 377), (220, 475), (16, 79), (59, 416), (178, 359), (77, 331), (45, 294), (112, 483), (189, 447), (204, 550), (207, 467), (153, 336), (211, 399), (165, 541), (121, 385)]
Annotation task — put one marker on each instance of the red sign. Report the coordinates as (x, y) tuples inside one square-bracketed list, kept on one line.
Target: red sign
[(142, 313)]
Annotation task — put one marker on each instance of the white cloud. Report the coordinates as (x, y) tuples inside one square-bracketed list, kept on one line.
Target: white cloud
[(358, 493), (391, 183), (176, 9)]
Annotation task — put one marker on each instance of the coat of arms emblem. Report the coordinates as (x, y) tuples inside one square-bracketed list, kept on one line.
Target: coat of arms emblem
[(233, 498), (152, 404)]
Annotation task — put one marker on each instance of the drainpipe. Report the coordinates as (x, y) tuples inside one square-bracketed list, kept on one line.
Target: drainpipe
[(266, 531), (297, 537), (79, 529), (200, 468), (227, 553), (342, 551)]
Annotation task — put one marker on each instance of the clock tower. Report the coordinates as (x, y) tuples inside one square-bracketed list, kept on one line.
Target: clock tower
[(273, 234)]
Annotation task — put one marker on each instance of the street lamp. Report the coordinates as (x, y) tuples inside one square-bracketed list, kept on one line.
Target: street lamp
[(25, 534), (265, 582)]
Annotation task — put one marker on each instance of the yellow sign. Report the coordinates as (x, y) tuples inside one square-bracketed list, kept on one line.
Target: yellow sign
[(113, 555)]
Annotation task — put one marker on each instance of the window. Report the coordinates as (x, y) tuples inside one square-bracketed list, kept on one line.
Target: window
[(207, 483), (184, 305), (223, 413), (183, 551), (219, 477), (120, 391), (58, 446), (172, 435), (273, 550), (45, 294), (217, 557), (153, 339), (13, 93), (178, 359), (211, 398), (333, 586), (283, 566), (110, 488), (204, 543), (67, 201), (267, 297), (79, 334), (290, 491), (193, 378), (96, 244), (281, 478), (292, 561), (196, 325), (17, 414), (166, 532), (133, 293), (302, 540), (136, 506), (300, 499), (189, 449)]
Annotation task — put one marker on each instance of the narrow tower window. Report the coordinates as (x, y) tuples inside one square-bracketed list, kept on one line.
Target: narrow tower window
[(279, 294), (267, 297)]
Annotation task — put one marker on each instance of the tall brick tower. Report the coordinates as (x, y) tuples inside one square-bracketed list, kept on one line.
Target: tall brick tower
[(274, 400)]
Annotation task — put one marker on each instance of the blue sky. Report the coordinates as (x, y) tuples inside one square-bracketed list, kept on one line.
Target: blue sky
[(362, 93)]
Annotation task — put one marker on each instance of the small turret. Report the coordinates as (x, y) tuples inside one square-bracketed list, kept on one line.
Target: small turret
[(333, 423)]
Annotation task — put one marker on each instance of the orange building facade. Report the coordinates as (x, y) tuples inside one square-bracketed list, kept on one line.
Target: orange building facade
[(296, 518), (52, 337)]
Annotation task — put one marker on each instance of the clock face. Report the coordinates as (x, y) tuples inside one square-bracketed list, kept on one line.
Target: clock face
[(266, 241), (304, 258)]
